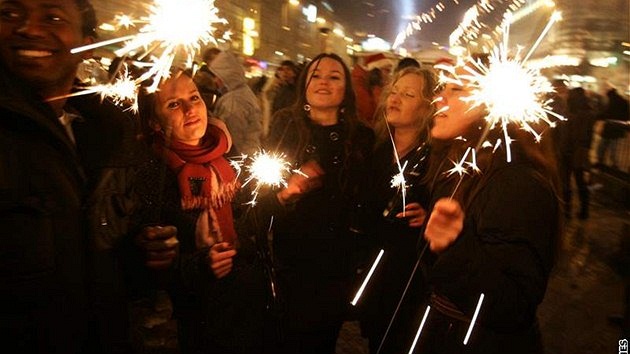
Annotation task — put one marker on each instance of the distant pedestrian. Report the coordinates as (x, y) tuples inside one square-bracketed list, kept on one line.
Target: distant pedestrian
[(237, 105)]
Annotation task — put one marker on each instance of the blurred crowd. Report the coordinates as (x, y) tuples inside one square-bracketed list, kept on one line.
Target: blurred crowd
[(104, 210)]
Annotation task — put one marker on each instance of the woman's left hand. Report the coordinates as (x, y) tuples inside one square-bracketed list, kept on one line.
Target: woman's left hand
[(414, 213), (444, 225)]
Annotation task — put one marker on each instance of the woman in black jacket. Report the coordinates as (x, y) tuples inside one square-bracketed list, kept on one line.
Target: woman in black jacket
[(496, 236), (315, 240), (402, 140)]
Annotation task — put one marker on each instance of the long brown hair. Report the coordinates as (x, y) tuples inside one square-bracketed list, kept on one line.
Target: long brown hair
[(347, 109)]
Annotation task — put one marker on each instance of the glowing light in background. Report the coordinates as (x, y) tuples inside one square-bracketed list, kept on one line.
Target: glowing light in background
[(172, 27)]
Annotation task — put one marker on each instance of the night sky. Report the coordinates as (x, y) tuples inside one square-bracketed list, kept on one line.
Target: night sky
[(384, 17)]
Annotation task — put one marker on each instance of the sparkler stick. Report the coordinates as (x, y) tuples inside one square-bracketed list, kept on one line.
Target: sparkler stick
[(367, 278), (474, 319), (415, 340), (399, 179), (391, 321)]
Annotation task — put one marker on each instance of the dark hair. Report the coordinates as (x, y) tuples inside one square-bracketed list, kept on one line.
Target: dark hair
[(407, 62), (348, 109), (88, 18)]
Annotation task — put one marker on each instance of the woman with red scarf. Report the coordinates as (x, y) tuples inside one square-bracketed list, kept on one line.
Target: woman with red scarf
[(216, 283)]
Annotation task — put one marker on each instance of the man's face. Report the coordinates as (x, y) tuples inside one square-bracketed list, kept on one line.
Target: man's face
[(36, 37)]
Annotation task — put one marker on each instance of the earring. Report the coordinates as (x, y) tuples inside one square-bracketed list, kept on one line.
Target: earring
[(307, 107), (342, 110)]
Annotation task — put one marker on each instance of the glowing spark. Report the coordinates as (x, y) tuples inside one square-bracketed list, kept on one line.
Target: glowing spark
[(461, 167), (474, 319), (524, 103), (265, 169), (399, 179), (367, 278), (172, 27), (122, 92), (415, 340)]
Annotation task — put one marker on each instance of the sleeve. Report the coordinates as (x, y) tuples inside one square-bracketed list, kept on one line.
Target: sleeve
[(505, 251), (244, 121)]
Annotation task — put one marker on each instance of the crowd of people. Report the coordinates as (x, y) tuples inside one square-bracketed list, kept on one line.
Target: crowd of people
[(101, 206)]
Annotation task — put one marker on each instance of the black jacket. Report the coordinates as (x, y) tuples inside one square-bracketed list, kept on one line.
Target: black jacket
[(43, 256)]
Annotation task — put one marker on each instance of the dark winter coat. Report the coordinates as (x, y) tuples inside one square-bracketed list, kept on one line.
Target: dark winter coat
[(506, 252), (401, 245), (43, 269), (215, 315), (313, 244)]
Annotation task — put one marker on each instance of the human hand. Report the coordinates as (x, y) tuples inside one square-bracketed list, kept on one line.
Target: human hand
[(414, 213), (445, 224), (221, 255), (159, 245), (308, 179)]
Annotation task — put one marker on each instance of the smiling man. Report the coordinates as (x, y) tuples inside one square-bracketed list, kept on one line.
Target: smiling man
[(43, 257)]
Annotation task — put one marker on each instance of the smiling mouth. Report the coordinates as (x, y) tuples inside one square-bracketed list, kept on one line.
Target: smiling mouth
[(32, 53), (192, 122)]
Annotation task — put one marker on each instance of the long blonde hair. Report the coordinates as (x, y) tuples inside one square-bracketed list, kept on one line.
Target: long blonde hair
[(429, 83)]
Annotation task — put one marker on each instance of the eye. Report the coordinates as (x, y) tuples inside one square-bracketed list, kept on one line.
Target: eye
[(10, 14), (55, 17), (410, 95), (172, 105), (335, 77), (195, 98)]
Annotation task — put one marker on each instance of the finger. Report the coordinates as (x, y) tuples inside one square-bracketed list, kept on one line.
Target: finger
[(216, 257), (152, 255), (222, 273), (169, 244), (218, 266), (448, 207), (162, 232), (222, 247)]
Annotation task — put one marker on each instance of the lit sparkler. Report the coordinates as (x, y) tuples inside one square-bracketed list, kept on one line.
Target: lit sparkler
[(172, 27), (527, 100), (265, 169), (122, 92)]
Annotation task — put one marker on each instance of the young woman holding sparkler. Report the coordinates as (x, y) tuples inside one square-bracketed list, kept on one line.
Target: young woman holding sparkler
[(216, 285), (314, 238), (493, 236), (402, 140)]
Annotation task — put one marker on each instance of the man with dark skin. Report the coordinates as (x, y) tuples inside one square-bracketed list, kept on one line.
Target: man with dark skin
[(47, 252)]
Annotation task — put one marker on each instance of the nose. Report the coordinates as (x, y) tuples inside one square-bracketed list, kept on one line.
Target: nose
[(189, 107), (30, 27)]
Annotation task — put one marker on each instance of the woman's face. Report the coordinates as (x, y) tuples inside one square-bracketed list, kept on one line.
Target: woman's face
[(181, 111), (405, 103), (327, 84), (459, 117)]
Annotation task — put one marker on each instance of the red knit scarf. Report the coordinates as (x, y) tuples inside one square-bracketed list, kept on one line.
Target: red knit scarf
[(206, 179)]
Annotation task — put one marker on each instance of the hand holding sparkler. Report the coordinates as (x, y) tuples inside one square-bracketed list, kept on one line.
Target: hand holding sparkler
[(307, 179), (414, 214), (159, 245), (445, 224), (221, 255)]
